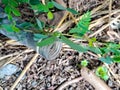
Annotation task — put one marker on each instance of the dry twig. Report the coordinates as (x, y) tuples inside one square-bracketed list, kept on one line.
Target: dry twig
[(95, 81), (102, 28), (61, 87)]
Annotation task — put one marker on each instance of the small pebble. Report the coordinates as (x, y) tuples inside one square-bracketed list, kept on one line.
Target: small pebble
[(8, 70), (110, 83)]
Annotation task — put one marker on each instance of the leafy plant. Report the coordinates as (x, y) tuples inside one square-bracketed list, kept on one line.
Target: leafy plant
[(102, 72), (11, 8), (82, 26), (39, 7), (110, 48)]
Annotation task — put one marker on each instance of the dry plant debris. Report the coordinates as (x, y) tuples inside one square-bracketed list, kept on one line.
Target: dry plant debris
[(52, 75)]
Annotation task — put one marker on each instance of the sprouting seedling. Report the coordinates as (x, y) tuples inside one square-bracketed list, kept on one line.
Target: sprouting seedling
[(84, 63), (102, 72)]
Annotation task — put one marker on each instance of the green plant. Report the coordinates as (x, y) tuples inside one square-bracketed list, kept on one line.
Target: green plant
[(39, 8), (82, 26), (84, 63), (109, 51), (102, 72)]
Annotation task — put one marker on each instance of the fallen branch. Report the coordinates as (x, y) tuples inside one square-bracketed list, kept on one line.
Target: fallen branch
[(61, 87), (95, 81)]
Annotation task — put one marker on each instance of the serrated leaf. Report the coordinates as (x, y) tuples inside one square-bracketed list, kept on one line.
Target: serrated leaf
[(58, 6), (50, 15), (47, 41), (74, 30), (83, 25), (72, 11), (73, 45)]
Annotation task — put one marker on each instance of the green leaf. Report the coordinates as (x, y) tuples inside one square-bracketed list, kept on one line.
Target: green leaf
[(82, 26), (14, 28), (50, 15), (72, 11), (5, 1), (7, 27), (10, 17), (45, 8), (23, 1), (73, 45), (11, 28), (95, 50), (39, 23), (25, 25), (37, 7), (8, 12), (50, 5), (13, 3), (116, 59), (47, 41), (16, 12), (75, 30), (37, 37), (8, 9), (102, 72), (34, 2), (40, 7), (91, 41), (58, 6), (107, 60), (111, 47)]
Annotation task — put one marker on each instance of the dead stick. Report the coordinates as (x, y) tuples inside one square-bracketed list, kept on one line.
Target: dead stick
[(24, 71), (95, 81), (69, 83), (102, 28)]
